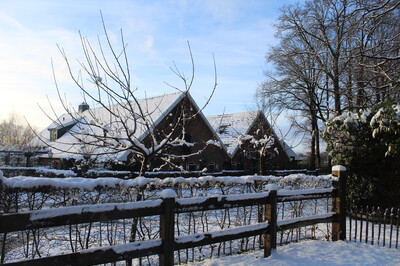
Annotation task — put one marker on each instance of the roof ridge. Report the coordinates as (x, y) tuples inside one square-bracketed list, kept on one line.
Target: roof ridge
[(242, 112)]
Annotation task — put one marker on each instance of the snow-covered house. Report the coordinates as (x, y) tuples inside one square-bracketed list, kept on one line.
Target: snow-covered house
[(252, 143), (191, 143)]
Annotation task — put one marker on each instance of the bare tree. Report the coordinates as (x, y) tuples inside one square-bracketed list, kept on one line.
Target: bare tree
[(13, 132), (333, 55), (122, 124)]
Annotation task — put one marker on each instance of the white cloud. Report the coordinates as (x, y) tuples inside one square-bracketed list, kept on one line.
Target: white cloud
[(11, 22)]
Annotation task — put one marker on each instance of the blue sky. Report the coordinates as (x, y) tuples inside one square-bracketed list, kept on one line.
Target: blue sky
[(238, 33)]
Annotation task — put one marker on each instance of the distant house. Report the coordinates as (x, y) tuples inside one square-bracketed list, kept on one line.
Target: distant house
[(246, 135), (18, 157), (200, 148)]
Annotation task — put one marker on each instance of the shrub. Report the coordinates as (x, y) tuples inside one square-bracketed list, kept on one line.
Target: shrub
[(367, 143)]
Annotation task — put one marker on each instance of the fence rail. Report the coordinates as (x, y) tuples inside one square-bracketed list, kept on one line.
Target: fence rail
[(166, 208)]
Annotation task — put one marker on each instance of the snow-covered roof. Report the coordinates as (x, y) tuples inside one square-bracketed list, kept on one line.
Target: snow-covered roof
[(154, 110), (230, 126)]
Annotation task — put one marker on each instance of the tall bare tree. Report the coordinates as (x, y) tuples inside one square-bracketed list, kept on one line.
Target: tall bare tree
[(333, 55)]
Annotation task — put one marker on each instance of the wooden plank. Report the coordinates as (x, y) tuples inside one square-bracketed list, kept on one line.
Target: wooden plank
[(302, 223), (98, 256), (198, 240), (271, 217), (349, 214), (26, 220), (391, 227), (385, 214), (367, 224), (373, 225), (361, 225), (397, 225), (312, 196), (216, 203), (167, 232), (339, 203)]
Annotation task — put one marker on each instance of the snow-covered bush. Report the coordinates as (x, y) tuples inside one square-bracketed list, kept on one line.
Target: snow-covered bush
[(367, 143), (386, 127)]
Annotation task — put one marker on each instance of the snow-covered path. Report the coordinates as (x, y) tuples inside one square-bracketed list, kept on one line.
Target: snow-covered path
[(315, 253)]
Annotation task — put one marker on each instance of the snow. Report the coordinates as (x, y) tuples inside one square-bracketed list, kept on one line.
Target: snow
[(272, 187), (128, 247), (247, 196), (167, 193), (340, 168), (230, 126), (96, 208), (90, 184), (290, 193), (190, 201), (87, 184), (314, 252)]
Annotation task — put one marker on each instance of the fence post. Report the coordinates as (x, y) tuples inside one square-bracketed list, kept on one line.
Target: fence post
[(167, 227), (1, 190), (339, 203), (271, 217)]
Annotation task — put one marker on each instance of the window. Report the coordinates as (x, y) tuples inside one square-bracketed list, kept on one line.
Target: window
[(211, 167), (249, 155), (192, 166)]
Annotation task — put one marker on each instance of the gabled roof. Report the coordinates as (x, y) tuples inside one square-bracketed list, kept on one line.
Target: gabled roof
[(230, 126), (155, 110)]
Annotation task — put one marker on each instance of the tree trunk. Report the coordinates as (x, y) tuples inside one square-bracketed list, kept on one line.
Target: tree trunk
[(317, 147)]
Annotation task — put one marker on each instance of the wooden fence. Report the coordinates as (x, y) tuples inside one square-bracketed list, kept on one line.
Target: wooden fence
[(166, 208)]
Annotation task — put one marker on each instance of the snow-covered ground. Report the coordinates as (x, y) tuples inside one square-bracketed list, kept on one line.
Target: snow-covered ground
[(314, 252)]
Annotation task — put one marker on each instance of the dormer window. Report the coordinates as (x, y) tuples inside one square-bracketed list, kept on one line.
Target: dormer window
[(58, 131)]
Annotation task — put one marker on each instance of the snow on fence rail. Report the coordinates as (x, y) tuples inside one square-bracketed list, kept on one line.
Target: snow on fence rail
[(168, 208)]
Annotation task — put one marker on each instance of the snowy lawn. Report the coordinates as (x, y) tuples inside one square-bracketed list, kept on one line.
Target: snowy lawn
[(314, 252)]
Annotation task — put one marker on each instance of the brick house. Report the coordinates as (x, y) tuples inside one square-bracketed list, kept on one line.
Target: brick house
[(244, 134), (197, 148)]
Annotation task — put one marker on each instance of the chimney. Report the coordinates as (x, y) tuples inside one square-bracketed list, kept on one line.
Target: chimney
[(83, 107)]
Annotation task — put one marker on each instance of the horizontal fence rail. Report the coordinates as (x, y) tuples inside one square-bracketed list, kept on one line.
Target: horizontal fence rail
[(167, 208)]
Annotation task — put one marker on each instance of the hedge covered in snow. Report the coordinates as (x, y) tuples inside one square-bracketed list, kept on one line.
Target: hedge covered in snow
[(293, 181)]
